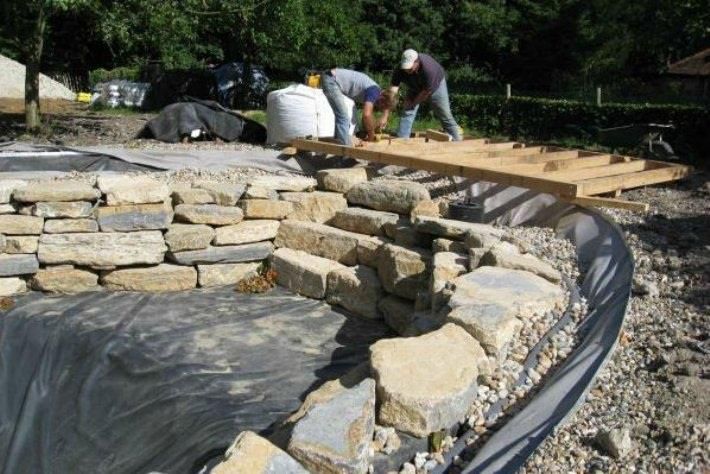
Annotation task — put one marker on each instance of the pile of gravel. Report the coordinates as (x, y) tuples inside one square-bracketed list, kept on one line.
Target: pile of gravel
[(12, 83)]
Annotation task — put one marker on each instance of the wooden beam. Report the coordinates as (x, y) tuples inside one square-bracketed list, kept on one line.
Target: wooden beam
[(437, 136), (548, 167), (422, 144), (594, 201), (576, 175), (607, 184)]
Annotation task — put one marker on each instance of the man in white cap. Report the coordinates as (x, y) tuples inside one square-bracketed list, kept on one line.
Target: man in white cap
[(425, 80)]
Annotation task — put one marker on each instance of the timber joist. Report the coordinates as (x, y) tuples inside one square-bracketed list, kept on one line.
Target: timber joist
[(572, 175)]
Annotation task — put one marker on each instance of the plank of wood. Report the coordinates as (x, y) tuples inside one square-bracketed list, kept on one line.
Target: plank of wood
[(421, 144), (548, 167), (599, 171), (437, 136), (592, 186), (595, 201)]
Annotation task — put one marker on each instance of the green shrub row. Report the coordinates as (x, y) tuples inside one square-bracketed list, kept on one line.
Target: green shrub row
[(130, 73), (536, 119)]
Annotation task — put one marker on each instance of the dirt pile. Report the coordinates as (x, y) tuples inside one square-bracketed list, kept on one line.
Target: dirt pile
[(12, 82)]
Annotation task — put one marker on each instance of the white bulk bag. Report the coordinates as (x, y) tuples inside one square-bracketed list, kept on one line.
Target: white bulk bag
[(299, 111)]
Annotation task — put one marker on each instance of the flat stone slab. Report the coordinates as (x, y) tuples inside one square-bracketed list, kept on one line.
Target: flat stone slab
[(250, 453), (426, 383), (341, 180), (388, 195), (18, 264), (334, 434), (56, 191), (246, 232), (316, 206), (72, 210), (221, 274), (208, 214), (402, 316), (446, 245), (453, 229), (493, 325), (13, 224), (402, 271), (505, 259), (192, 196), (357, 289), (266, 209), (7, 187), (20, 244), (225, 254), (8, 209), (132, 217), (320, 240), (364, 221), (102, 248), (161, 278), (180, 237), (12, 286), (446, 266), (67, 226), (284, 183), (224, 194), (303, 273), (120, 190), (260, 192), (64, 279), (368, 249)]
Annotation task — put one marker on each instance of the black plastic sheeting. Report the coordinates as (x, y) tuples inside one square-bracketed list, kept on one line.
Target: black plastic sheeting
[(133, 383)]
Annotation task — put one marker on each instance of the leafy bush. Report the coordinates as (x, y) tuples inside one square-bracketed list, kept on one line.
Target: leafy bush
[(529, 118), (130, 73)]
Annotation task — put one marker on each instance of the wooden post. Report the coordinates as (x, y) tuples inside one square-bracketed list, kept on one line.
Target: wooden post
[(508, 91), (599, 96)]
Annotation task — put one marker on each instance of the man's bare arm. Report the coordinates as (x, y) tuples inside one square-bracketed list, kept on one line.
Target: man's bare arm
[(368, 121)]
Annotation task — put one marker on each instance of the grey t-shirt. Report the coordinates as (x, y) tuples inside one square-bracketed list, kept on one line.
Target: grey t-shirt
[(355, 84)]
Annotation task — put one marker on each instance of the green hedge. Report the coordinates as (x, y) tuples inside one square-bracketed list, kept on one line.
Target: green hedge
[(529, 118), (129, 73)]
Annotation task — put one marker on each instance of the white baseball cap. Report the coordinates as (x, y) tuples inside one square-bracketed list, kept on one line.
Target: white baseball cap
[(408, 58)]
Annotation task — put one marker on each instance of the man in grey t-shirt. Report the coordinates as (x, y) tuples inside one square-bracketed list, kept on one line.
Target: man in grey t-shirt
[(359, 87), (425, 80)]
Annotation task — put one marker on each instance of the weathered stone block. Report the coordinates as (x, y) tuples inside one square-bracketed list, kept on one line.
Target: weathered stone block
[(402, 316), (453, 229), (388, 195), (446, 266), (284, 183), (403, 271), (266, 209), (64, 279), (161, 278), (368, 249), (224, 194), (121, 190), (192, 196), (303, 273), (12, 224), (246, 232), (425, 208), (72, 210), (7, 187), (316, 206), (491, 324), (407, 236), (252, 454), (446, 245), (132, 217), (364, 221), (502, 258), (223, 274), (56, 191), (319, 239), (208, 214), (12, 286), (341, 179), (101, 249), (67, 226), (225, 254), (20, 244), (7, 209), (426, 383), (356, 289), (18, 264), (180, 237), (260, 192)]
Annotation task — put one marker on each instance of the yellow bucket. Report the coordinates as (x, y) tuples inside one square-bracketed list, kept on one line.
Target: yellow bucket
[(313, 80), (83, 97)]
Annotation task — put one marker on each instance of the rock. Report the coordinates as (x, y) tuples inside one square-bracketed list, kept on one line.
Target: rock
[(388, 195), (446, 245), (284, 183), (334, 435), (506, 259), (407, 236), (7, 208), (446, 266), (12, 286), (20, 244), (453, 229), (122, 190), (246, 232), (368, 248), (356, 289), (481, 240), (132, 217), (224, 254), (259, 192), (402, 316), (408, 468), (616, 442), (303, 273), (18, 264), (320, 240), (192, 196), (645, 288), (72, 210), (56, 191), (266, 209), (208, 214), (316, 206), (64, 279), (7, 187), (223, 274), (3, 243), (224, 194), (364, 221), (67, 226), (426, 383), (475, 255), (113, 248), (425, 208), (250, 453), (161, 278), (493, 325), (341, 179), (12, 224), (180, 237), (386, 440), (403, 271)]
